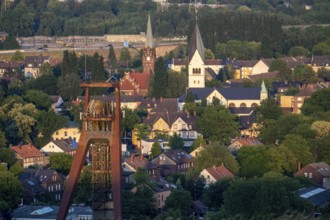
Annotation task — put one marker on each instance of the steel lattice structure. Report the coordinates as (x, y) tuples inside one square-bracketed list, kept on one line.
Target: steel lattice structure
[(101, 134)]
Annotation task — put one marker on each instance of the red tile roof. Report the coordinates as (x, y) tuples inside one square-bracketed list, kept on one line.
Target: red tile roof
[(27, 151), (220, 172), (134, 81)]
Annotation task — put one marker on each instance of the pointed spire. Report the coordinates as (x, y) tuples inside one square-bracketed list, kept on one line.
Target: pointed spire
[(263, 88), (196, 43), (149, 38)]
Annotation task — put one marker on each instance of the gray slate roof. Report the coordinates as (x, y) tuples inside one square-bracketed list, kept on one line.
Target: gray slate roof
[(196, 44)]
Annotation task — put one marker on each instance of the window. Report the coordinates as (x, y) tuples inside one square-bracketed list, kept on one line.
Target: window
[(175, 126), (310, 175), (65, 133), (184, 126), (184, 134), (191, 134)]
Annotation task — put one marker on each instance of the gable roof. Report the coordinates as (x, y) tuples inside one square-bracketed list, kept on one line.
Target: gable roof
[(316, 196), (322, 168), (27, 151), (179, 156), (166, 104), (135, 81), (137, 161), (66, 145), (220, 172), (170, 118), (196, 44), (248, 141), (213, 62), (320, 61), (305, 92), (38, 175)]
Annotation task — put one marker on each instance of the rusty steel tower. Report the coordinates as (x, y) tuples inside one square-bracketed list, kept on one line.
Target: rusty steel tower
[(101, 135)]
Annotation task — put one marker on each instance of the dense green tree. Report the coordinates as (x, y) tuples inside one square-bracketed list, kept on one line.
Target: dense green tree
[(69, 86), (160, 79), (3, 140), (45, 83), (125, 55), (142, 131), (215, 155), (16, 169), (212, 118), (322, 128), (40, 99), (198, 142), (303, 74), (11, 191), (61, 162), (185, 201), (195, 185), (84, 188), (9, 43), (45, 69), (18, 55), (129, 121), (69, 63), (7, 156), (177, 84), (268, 109), (175, 142), (284, 72), (298, 51), (213, 195), (156, 149), (318, 102), (112, 60), (253, 161), (324, 74)]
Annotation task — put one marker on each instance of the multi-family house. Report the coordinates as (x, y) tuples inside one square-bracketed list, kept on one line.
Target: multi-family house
[(32, 65), (181, 123), (42, 185), (317, 173), (67, 133), (146, 144), (173, 161), (215, 173), (67, 146), (28, 155)]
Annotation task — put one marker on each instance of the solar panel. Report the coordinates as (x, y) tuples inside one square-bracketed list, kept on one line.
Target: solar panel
[(312, 193), (42, 211)]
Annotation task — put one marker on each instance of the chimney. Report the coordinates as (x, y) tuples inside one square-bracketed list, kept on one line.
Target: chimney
[(187, 114), (132, 157), (195, 113), (222, 165), (161, 99), (299, 166), (142, 157)]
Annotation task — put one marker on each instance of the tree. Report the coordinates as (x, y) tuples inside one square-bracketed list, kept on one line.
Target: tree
[(185, 201), (18, 55), (268, 109), (215, 155), (177, 84), (303, 74), (141, 176), (61, 162), (208, 124), (130, 120), (318, 102), (7, 156), (195, 185), (160, 80), (84, 188), (324, 74), (253, 161), (11, 191), (3, 140), (142, 131), (16, 169), (213, 195), (10, 43), (112, 60), (69, 63), (175, 142), (125, 55), (198, 142), (69, 86), (46, 69), (45, 83), (156, 149), (298, 51), (322, 128), (40, 99), (284, 72)]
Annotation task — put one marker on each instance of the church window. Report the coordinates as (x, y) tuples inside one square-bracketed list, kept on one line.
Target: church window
[(243, 105)]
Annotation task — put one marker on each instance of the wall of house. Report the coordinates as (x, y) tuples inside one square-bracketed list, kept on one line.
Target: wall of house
[(309, 172), (260, 67), (161, 198), (51, 147), (248, 103), (65, 133), (297, 102), (161, 125), (208, 178), (286, 101)]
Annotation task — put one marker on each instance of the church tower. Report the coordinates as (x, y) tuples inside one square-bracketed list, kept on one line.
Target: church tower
[(196, 69), (263, 91), (149, 51)]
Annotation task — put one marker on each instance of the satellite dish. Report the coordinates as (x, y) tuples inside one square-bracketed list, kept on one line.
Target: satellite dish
[(126, 44)]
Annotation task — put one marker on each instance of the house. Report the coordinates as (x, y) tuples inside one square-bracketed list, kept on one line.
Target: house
[(65, 133), (10, 67), (232, 97), (298, 99), (247, 121), (28, 155), (32, 65), (197, 151), (173, 161), (245, 141), (67, 146), (57, 103), (42, 185), (134, 162), (3, 35), (214, 174), (319, 198), (33, 212), (134, 83), (160, 105), (319, 62), (317, 173), (146, 145), (169, 123)]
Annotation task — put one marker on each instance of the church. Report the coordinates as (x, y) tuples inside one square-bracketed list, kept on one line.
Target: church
[(136, 83)]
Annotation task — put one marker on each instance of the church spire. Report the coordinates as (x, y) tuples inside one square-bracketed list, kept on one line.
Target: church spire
[(263, 92), (149, 38), (196, 44)]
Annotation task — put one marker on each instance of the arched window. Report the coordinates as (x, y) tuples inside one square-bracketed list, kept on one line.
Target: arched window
[(243, 105), (232, 105), (254, 105)]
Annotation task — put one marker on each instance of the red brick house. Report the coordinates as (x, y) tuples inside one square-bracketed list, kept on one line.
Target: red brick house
[(28, 155), (134, 83), (317, 173), (214, 174)]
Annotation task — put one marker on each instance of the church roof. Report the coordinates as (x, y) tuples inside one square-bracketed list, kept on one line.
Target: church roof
[(133, 80), (196, 44), (149, 38)]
